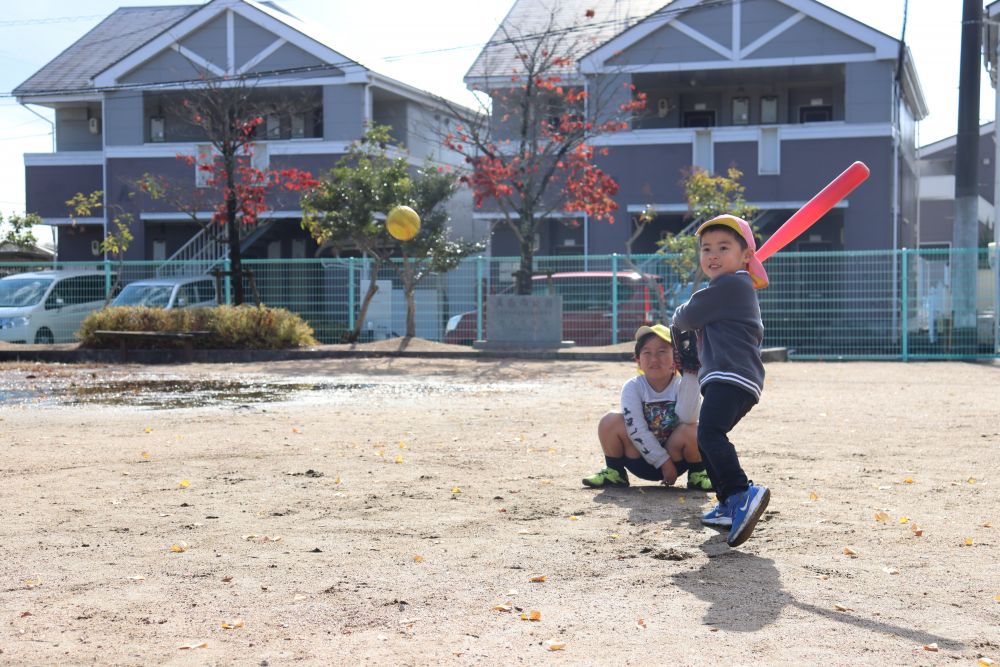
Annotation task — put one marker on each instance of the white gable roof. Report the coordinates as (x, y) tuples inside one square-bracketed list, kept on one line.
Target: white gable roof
[(287, 29)]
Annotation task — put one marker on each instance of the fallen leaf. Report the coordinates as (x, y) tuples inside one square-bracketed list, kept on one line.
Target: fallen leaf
[(184, 484), (531, 616), (456, 489), (574, 518), (641, 623), (822, 577), (971, 480), (337, 481), (545, 481), (149, 429), (191, 646), (881, 516), (813, 496), (840, 607), (399, 458), (402, 445), (917, 532), (904, 519), (615, 536), (233, 624), (538, 578), (146, 455), (985, 662), (502, 607), (933, 648), (553, 645), (908, 480), (418, 559), (968, 542), (178, 548), (25, 614), (139, 578), (227, 578), (987, 525), (681, 499), (848, 551), (33, 583), (997, 598), (296, 430)]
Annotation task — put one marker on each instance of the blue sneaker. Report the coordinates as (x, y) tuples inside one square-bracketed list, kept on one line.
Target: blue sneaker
[(717, 517), (746, 509)]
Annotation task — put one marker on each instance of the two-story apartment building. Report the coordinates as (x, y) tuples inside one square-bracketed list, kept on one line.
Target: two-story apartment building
[(790, 92), (118, 92)]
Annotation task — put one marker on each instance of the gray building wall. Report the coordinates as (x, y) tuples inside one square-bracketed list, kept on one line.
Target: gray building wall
[(123, 113), (343, 112), (868, 92), (392, 112)]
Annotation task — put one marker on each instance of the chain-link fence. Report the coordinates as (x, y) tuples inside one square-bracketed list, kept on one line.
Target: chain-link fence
[(909, 304)]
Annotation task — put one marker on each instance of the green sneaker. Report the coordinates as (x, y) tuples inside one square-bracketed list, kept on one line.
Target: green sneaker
[(698, 479), (607, 477)]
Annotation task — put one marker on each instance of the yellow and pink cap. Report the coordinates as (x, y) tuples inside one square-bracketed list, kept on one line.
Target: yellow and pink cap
[(742, 227)]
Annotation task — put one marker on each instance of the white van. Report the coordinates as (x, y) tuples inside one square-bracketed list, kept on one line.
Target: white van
[(186, 292), (48, 306)]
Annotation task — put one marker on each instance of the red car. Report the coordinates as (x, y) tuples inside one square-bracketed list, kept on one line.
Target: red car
[(587, 306)]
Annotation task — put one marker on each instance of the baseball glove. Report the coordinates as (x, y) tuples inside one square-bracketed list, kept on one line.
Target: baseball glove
[(685, 350)]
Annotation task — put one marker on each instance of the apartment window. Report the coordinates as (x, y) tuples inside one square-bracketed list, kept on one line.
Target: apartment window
[(273, 126), (159, 250), (703, 151), (298, 126), (741, 111), (701, 118), (768, 110), (819, 113), (157, 129)]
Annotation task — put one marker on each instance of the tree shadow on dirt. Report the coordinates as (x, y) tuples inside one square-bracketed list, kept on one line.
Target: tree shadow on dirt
[(745, 594)]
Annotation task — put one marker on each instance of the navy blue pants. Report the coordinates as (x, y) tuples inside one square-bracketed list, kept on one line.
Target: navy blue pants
[(723, 406)]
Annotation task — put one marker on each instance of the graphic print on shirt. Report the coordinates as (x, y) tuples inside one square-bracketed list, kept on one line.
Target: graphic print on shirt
[(661, 418), (629, 427)]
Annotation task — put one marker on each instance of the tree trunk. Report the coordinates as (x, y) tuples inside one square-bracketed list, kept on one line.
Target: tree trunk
[(409, 287), (233, 231), (353, 336), (523, 275)]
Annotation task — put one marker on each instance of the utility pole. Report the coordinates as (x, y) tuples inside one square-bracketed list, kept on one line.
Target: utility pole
[(965, 235)]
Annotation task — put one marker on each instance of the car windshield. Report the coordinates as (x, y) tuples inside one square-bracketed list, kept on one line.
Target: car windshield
[(20, 292), (151, 296)]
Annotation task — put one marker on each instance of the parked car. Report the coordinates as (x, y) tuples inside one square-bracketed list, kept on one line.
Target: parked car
[(587, 306), (48, 306), (181, 292)]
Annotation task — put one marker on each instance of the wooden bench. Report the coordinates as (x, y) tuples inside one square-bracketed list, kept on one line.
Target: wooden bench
[(187, 339)]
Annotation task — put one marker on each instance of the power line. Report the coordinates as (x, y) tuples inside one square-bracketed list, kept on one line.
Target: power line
[(50, 20)]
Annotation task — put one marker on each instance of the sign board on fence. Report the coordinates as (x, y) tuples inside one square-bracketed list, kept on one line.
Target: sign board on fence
[(523, 321)]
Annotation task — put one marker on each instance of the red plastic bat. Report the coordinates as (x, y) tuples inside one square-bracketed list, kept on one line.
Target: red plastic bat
[(815, 208)]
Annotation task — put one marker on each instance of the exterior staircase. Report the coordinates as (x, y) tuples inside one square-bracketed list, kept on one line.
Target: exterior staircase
[(208, 249)]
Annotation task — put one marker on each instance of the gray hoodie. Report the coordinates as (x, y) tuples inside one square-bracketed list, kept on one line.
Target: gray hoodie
[(726, 316)]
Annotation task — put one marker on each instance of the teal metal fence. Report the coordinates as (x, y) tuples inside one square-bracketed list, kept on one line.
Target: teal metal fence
[(907, 305)]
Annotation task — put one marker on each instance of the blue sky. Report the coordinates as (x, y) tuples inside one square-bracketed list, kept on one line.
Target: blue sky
[(378, 32)]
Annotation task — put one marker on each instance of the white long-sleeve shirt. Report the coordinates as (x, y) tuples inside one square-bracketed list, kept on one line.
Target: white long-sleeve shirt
[(650, 415)]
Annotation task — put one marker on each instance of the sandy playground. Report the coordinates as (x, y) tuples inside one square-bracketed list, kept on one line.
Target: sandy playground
[(422, 512)]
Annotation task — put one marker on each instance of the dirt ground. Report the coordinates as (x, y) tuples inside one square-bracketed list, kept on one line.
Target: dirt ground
[(396, 511)]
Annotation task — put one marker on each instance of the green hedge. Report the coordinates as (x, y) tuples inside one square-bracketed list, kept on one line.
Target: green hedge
[(233, 327)]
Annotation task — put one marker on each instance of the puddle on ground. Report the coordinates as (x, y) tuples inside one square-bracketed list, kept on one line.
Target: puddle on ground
[(167, 393)]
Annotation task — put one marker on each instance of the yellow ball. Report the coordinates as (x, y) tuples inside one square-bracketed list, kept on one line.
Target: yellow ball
[(403, 223)]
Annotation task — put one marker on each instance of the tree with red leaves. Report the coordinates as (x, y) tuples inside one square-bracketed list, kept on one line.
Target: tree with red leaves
[(228, 114), (531, 155)]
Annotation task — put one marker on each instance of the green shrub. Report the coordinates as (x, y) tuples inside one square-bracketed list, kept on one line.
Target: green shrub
[(232, 327)]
